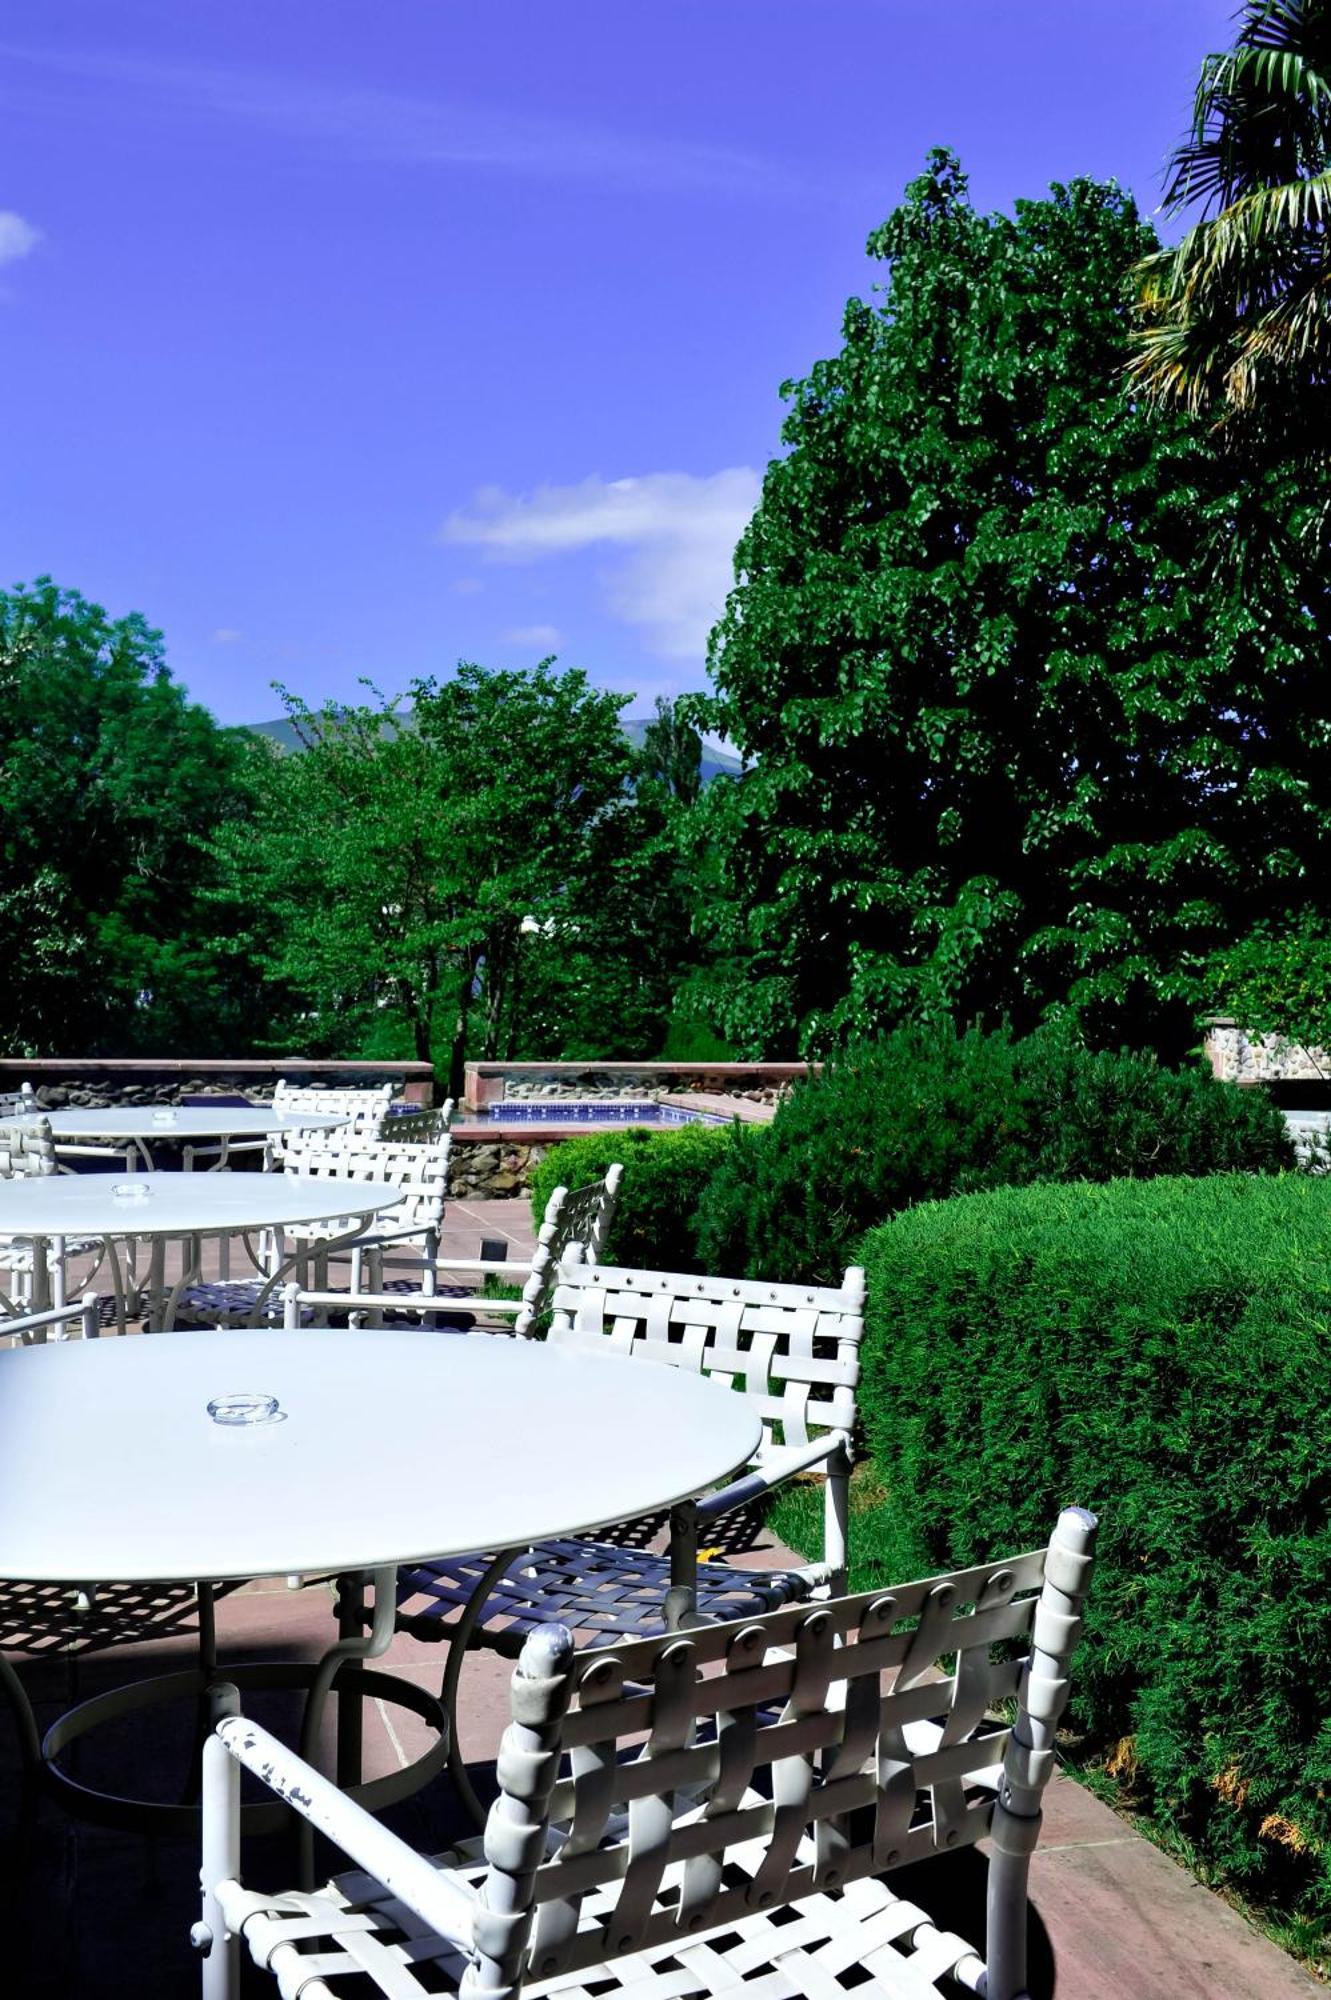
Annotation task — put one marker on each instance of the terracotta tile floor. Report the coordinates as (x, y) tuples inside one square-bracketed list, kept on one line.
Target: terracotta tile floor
[(105, 1915)]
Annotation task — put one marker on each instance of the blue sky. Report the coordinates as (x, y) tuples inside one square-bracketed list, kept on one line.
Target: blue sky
[(344, 339)]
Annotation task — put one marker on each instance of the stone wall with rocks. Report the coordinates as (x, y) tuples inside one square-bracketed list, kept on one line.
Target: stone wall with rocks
[(482, 1172), (100, 1092), (1237, 1057)]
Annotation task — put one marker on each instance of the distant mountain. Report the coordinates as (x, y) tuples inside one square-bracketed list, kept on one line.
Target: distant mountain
[(716, 762)]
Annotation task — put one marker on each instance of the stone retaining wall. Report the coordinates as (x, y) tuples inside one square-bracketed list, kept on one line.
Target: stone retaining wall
[(491, 1172), (1237, 1057)]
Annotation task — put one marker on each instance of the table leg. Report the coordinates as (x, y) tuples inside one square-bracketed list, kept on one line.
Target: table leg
[(41, 1274), (358, 1645), (350, 1712), (459, 1640)]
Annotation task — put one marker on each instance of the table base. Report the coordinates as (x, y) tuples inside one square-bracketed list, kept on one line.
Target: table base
[(354, 1684)]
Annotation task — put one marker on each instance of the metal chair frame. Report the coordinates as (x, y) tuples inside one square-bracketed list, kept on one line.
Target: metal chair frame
[(701, 1813)]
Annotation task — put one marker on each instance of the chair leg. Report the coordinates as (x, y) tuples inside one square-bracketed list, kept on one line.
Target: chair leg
[(221, 1856), (836, 1521), (681, 1605)]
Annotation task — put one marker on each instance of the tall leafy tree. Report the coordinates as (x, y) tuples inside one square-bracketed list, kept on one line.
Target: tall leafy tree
[(1011, 748), (412, 870), (671, 752), (1236, 318), (107, 776)]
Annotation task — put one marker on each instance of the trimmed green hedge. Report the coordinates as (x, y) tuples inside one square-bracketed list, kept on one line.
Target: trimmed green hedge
[(1161, 1352), (661, 1197), (926, 1113)]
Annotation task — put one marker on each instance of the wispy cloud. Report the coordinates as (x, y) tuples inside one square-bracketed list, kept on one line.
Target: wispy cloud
[(545, 636), (409, 129), (677, 531), (227, 635), (17, 237)]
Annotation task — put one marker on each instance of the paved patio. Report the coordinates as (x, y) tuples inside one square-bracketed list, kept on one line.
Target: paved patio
[(106, 1915)]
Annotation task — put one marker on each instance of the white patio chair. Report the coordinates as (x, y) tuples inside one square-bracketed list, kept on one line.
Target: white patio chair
[(407, 1232), (28, 1152), (794, 1349), (20, 1103), (704, 1813), (416, 1124), (364, 1109), (575, 1227), (79, 1321)]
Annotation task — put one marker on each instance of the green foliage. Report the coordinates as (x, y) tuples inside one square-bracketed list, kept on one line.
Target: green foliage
[(1157, 1352), (927, 1112), (671, 753), (1011, 747), (662, 1197), (1234, 315), (440, 879), (107, 777), (1277, 981)]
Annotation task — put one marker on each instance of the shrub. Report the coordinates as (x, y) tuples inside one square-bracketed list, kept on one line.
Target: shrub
[(928, 1113), (1157, 1352), (661, 1197)]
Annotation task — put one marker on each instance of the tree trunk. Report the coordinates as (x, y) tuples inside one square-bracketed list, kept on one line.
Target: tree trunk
[(457, 1061)]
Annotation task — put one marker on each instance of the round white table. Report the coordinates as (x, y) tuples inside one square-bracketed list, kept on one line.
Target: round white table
[(165, 1205), (136, 1128), (388, 1446)]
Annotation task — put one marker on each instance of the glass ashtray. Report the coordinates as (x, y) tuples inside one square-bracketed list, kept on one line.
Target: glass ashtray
[(245, 1406), (130, 1191), (164, 1118)]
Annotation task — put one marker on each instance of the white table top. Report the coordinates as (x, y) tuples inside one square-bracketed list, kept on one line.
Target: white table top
[(187, 1121), (180, 1204), (396, 1445)]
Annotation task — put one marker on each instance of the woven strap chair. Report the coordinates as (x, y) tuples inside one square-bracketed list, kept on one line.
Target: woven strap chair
[(407, 1230), (711, 1812), (20, 1103), (575, 1225), (364, 1109), (793, 1349), (27, 1152)]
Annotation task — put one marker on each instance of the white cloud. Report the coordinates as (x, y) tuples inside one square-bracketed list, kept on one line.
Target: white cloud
[(677, 529), (17, 237), (226, 635), (467, 586), (547, 636)]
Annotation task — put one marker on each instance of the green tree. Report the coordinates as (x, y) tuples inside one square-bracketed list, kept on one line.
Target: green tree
[(1236, 318), (411, 870), (671, 752), (107, 775), (1011, 748)]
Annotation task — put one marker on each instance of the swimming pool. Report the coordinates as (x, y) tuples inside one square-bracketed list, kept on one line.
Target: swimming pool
[(597, 1111)]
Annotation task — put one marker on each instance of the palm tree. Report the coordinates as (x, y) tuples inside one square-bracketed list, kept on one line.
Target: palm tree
[(1236, 319)]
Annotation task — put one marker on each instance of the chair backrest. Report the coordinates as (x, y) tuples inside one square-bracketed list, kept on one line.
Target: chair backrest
[(20, 1103), (412, 1122), (795, 1349), (418, 1172), (363, 1108), (732, 1769), (577, 1222), (27, 1152)]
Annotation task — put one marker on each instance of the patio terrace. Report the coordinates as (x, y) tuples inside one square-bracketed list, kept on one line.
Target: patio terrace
[(106, 1914)]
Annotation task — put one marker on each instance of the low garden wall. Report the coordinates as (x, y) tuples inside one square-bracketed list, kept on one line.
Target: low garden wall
[(87, 1081)]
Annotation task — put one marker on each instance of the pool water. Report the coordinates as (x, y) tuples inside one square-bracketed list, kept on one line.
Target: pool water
[(598, 1111)]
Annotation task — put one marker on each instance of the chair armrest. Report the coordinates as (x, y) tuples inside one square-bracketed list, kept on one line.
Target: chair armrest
[(438, 1898), (779, 1466)]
